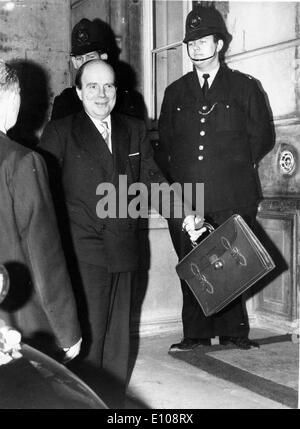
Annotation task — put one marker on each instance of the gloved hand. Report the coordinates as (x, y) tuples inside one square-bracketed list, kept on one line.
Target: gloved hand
[(193, 226), (72, 352)]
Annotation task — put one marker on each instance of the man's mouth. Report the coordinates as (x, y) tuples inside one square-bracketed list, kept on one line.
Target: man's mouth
[(100, 104)]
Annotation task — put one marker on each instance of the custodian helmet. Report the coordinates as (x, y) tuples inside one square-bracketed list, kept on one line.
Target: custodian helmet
[(204, 21), (87, 36)]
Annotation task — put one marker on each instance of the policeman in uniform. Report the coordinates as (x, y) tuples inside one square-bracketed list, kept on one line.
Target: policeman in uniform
[(93, 40), (214, 128)]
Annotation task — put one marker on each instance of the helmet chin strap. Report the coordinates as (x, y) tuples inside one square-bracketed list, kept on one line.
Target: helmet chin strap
[(202, 59)]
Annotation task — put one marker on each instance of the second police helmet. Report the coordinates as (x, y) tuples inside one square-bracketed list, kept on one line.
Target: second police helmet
[(87, 36), (204, 21)]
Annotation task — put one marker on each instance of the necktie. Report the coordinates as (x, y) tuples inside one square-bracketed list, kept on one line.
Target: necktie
[(205, 85), (104, 131)]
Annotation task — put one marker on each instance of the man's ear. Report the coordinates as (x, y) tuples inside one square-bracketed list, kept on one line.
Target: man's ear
[(220, 45), (79, 93)]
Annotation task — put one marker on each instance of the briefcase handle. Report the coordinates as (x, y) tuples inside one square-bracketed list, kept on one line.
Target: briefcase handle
[(210, 229)]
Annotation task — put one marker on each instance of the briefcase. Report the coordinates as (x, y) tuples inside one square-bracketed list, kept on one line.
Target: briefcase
[(224, 265)]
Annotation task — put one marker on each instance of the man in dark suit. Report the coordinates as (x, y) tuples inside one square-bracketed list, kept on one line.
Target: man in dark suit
[(95, 40), (91, 148), (214, 128), (40, 299)]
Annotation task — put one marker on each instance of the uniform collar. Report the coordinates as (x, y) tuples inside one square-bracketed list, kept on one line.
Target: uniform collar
[(212, 74)]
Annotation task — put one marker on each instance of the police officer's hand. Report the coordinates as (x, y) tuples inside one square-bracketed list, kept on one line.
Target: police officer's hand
[(193, 225)]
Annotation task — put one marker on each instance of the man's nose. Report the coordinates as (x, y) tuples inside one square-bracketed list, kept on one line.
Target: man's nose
[(101, 91)]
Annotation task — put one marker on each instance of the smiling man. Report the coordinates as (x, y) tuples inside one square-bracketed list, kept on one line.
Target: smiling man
[(92, 147), (97, 91)]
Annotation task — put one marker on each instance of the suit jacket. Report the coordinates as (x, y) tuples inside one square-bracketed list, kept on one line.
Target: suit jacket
[(40, 298), (84, 161), (217, 141)]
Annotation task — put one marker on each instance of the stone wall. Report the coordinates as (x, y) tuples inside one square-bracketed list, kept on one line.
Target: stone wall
[(37, 34)]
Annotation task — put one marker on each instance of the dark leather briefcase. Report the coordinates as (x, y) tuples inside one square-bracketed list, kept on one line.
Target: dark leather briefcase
[(224, 265)]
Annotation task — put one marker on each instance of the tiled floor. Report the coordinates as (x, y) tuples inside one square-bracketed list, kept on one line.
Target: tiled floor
[(159, 381)]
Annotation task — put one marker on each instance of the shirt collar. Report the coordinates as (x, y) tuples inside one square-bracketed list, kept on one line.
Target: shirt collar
[(212, 74), (98, 121)]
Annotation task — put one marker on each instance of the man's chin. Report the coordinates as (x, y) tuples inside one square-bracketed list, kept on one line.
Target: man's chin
[(101, 113), (198, 58)]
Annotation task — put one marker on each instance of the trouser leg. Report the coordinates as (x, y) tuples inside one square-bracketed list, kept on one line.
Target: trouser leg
[(117, 339), (194, 322), (104, 311), (93, 291), (232, 320)]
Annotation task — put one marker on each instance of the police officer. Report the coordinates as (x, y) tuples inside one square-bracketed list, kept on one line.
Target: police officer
[(94, 40), (214, 128)]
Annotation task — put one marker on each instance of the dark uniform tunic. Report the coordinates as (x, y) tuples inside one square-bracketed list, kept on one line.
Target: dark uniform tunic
[(217, 141)]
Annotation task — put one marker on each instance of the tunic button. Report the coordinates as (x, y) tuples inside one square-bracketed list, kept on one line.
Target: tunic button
[(201, 147), (200, 157), (202, 120), (204, 107), (202, 133)]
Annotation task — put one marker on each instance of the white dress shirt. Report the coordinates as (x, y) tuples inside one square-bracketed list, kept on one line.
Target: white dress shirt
[(212, 75)]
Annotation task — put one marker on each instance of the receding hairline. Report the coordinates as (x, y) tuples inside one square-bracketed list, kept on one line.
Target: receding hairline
[(82, 69), (99, 62)]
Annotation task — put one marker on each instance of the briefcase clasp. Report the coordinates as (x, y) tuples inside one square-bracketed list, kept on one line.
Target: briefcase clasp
[(217, 262)]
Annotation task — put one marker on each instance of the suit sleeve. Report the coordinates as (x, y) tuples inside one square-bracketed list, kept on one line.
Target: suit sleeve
[(61, 108), (50, 144), (152, 175), (259, 124), (52, 149), (40, 239)]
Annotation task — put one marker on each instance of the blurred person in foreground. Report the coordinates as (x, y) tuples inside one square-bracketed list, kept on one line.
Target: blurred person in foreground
[(40, 303)]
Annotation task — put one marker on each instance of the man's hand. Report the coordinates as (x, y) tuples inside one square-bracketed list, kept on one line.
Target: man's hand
[(193, 225), (72, 352)]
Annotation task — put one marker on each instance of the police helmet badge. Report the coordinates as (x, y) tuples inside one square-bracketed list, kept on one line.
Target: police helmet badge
[(195, 22), (82, 36)]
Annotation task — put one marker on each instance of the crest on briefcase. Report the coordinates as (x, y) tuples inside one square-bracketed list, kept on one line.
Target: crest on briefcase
[(224, 265)]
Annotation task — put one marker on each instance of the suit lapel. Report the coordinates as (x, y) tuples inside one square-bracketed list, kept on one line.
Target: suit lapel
[(120, 143), (89, 139)]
